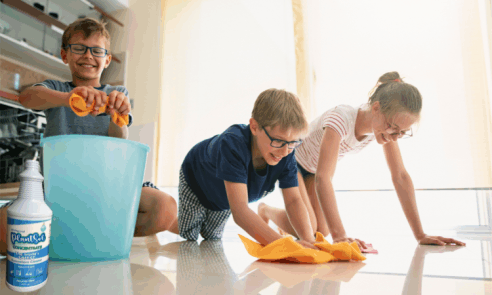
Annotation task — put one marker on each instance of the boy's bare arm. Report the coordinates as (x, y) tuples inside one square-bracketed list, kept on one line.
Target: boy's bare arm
[(117, 131), (42, 98), (298, 214), (247, 219)]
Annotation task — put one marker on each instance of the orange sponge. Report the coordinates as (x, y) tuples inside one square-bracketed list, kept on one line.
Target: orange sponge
[(79, 107)]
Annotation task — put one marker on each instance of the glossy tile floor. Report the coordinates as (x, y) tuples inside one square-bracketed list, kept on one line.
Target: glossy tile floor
[(164, 264)]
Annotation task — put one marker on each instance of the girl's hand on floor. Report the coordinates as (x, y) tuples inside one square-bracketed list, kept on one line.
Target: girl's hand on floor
[(361, 244), (438, 240)]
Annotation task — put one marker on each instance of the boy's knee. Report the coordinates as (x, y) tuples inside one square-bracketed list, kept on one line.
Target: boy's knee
[(3, 216), (166, 211), (172, 206), (168, 206)]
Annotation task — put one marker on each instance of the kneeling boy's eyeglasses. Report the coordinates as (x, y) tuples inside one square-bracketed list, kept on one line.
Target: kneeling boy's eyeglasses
[(279, 143), (82, 49)]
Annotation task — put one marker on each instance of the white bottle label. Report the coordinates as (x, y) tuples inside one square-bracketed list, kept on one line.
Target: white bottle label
[(27, 251)]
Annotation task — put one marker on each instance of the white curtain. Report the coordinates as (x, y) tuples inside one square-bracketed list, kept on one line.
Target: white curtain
[(436, 46), (218, 56)]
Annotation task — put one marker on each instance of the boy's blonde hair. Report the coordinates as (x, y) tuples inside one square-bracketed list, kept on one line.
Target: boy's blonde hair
[(276, 107), (87, 26), (396, 96)]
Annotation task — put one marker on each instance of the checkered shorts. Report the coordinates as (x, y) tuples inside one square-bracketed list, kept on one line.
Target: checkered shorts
[(195, 219), (149, 184)]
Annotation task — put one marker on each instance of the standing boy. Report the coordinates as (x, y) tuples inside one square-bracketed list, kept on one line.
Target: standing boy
[(85, 49)]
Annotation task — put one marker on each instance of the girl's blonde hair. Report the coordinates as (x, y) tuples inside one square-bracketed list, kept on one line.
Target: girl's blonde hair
[(276, 107), (396, 96)]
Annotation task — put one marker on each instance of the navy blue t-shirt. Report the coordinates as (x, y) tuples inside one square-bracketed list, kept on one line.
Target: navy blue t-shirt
[(227, 156)]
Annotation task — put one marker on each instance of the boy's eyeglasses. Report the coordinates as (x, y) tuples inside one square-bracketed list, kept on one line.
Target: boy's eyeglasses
[(279, 143), (82, 49)]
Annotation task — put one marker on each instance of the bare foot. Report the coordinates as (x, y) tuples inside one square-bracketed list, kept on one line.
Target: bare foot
[(262, 212)]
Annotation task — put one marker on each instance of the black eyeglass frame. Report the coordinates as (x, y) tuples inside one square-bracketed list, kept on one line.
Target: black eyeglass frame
[(283, 142), (87, 47)]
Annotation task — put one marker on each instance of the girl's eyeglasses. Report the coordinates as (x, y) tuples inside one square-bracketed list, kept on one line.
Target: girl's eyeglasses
[(394, 131)]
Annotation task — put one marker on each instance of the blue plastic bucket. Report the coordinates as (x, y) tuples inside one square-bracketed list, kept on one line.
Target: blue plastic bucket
[(93, 185)]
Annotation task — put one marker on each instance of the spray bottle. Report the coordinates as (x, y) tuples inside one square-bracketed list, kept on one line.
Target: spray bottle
[(28, 233)]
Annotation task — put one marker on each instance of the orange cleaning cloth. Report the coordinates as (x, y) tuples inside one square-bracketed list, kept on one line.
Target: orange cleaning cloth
[(287, 249), (79, 107)]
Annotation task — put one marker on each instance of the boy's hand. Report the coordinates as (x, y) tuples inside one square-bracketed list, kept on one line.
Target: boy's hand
[(90, 94), (306, 244), (361, 244), (117, 101)]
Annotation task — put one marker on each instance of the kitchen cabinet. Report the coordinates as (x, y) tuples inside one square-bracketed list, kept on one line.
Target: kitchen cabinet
[(33, 37)]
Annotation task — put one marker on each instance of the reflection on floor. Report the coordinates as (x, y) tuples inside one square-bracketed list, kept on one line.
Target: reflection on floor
[(165, 264)]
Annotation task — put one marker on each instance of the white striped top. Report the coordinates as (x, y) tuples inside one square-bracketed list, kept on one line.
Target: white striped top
[(342, 120)]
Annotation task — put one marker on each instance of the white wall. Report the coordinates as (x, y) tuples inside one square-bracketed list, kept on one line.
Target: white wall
[(218, 56), (435, 45), (141, 39), (146, 133)]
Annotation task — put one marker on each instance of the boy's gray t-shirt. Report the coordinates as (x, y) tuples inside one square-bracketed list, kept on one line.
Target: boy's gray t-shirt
[(62, 120)]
